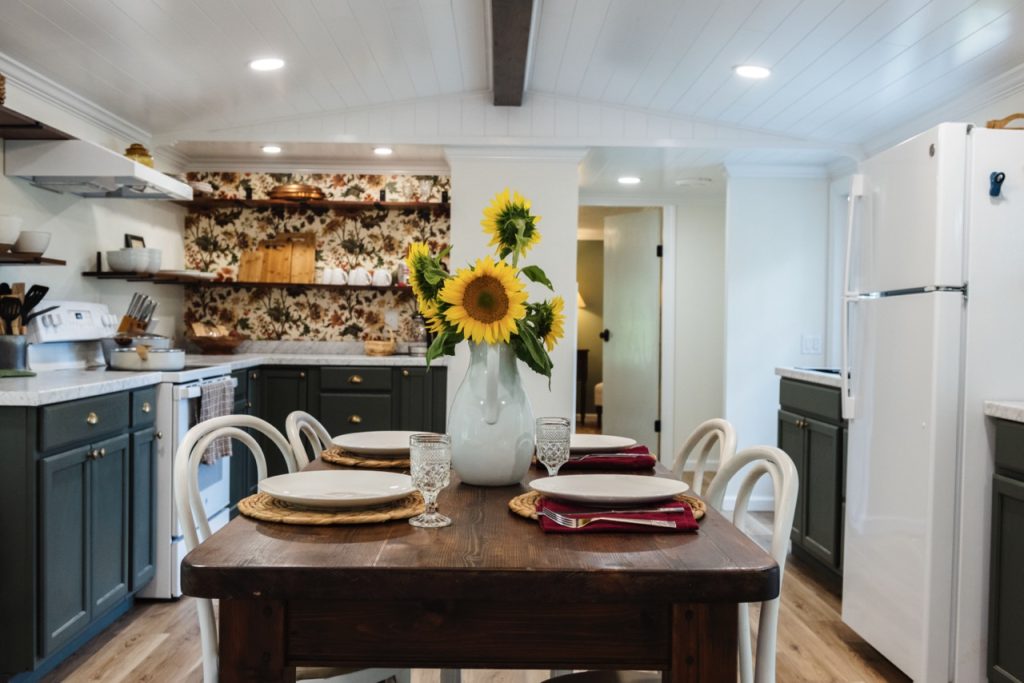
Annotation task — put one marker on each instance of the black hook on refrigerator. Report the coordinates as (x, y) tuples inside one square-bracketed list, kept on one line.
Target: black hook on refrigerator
[(995, 180)]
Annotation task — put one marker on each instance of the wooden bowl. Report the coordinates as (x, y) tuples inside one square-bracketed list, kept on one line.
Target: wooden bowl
[(217, 345)]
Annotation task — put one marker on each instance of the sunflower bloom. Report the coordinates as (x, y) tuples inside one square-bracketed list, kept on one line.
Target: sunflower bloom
[(513, 229), (418, 260), (486, 301), (551, 322), (435, 319)]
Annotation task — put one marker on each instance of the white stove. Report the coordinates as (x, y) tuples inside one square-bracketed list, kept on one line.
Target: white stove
[(69, 338)]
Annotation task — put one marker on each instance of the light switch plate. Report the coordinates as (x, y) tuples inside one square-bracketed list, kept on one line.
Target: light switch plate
[(391, 318), (810, 344)]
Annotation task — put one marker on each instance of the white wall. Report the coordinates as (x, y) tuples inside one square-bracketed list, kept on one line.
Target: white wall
[(699, 351), (80, 228), (776, 241), (550, 180)]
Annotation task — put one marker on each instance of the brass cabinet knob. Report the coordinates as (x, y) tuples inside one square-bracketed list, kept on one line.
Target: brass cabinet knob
[(92, 455), (103, 452), (355, 419), (355, 379), (248, 404), (146, 408), (92, 418), (302, 375), (252, 375), (159, 435), (405, 373)]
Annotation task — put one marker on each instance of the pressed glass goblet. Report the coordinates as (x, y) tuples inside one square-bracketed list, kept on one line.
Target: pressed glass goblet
[(552, 442), (430, 457)]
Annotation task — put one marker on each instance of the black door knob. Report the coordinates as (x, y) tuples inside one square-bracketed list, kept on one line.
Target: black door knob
[(605, 334)]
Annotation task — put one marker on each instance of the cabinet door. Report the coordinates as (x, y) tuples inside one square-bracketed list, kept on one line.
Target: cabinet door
[(792, 441), (142, 551), (243, 465), (108, 524), (63, 548), (282, 390), (1006, 591), (414, 407), (821, 490), (362, 412)]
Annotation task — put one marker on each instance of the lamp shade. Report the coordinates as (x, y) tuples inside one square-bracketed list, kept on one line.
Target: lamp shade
[(580, 303)]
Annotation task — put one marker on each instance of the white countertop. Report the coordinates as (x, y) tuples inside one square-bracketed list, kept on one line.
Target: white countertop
[(1005, 410), (805, 375), (56, 386)]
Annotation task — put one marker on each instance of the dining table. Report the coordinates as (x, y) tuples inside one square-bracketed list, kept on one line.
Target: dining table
[(491, 591)]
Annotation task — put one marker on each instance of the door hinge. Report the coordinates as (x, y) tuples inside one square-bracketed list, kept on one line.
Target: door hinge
[(660, 251), (657, 425)]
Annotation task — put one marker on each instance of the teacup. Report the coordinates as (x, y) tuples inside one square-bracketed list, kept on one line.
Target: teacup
[(338, 276), (359, 276), (381, 278)]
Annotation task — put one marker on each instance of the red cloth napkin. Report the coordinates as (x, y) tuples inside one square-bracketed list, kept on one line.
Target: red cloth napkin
[(683, 518), (635, 458)]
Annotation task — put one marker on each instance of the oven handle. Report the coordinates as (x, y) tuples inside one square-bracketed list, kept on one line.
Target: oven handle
[(189, 391)]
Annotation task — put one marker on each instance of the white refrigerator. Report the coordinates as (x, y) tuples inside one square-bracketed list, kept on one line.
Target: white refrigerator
[(933, 325)]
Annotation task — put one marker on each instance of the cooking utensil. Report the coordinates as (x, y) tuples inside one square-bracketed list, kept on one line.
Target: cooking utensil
[(26, 319), (33, 296), (4, 289), (578, 523), (10, 309), (18, 292), (296, 191)]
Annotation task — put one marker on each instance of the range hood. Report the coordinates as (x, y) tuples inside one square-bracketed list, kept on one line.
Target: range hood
[(87, 170)]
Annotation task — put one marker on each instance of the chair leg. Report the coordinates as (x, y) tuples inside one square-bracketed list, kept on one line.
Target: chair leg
[(599, 409), (451, 675)]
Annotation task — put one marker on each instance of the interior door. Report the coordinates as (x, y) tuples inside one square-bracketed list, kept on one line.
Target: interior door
[(632, 318)]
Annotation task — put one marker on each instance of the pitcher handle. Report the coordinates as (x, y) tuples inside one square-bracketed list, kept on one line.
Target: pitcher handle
[(491, 396)]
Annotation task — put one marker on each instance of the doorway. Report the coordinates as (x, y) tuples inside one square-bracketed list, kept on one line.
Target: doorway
[(619, 335)]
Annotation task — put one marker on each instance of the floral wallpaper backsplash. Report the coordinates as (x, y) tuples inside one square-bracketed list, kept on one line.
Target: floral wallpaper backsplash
[(372, 238)]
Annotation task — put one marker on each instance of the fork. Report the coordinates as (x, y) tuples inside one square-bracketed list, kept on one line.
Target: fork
[(577, 523)]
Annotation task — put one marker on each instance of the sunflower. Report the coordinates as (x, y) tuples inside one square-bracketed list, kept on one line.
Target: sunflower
[(433, 316), (513, 229), (486, 301), (550, 322), (425, 274)]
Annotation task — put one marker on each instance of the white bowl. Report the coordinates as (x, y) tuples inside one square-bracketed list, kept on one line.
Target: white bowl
[(153, 259), (10, 226), (120, 261), (31, 242)]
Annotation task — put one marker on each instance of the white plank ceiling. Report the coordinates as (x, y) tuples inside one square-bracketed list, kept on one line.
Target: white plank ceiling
[(845, 72)]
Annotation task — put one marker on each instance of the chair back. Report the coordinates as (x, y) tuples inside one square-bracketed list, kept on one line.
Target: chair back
[(708, 434), (749, 465), (188, 503), (301, 424)]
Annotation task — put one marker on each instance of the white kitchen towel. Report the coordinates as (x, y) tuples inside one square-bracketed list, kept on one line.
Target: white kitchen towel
[(216, 400)]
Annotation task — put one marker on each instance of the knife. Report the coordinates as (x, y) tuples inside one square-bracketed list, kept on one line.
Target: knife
[(598, 513)]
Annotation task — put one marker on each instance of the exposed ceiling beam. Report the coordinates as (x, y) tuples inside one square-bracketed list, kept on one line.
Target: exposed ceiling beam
[(510, 48)]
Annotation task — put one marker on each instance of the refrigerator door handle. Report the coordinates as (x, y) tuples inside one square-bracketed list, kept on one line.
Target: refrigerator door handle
[(849, 296), (846, 403), (856, 193)]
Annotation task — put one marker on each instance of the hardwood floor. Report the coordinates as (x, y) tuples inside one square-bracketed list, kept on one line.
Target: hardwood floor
[(159, 641)]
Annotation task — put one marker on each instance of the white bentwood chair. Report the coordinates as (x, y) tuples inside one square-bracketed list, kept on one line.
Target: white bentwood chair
[(301, 424), (785, 483), (196, 528), (710, 433)]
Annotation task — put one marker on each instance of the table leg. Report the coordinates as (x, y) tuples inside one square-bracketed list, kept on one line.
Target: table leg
[(252, 642), (704, 641)]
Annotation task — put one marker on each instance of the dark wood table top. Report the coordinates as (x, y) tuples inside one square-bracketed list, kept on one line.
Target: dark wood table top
[(488, 553)]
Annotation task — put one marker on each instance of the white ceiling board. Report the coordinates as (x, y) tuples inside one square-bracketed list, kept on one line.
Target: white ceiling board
[(217, 155)]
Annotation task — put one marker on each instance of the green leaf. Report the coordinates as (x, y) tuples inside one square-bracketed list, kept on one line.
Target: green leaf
[(537, 274), (531, 351)]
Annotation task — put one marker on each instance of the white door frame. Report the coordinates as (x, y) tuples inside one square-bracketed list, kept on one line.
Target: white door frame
[(666, 439)]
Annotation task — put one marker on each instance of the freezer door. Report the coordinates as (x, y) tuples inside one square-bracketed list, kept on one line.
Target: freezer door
[(902, 451), (908, 227)]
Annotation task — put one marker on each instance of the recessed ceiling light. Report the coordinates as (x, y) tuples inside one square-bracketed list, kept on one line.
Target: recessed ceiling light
[(266, 64), (271, 149), (383, 151), (752, 71), (629, 180)]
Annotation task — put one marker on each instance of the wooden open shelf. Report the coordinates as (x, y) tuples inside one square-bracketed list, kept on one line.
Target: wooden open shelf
[(29, 260), (142, 277), (210, 203)]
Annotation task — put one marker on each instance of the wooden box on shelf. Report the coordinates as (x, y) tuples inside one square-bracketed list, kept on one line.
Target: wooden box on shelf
[(286, 258)]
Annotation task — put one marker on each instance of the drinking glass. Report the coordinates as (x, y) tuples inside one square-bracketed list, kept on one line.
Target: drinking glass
[(430, 456), (552, 442)]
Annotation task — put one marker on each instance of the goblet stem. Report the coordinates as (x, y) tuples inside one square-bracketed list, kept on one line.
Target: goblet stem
[(430, 501)]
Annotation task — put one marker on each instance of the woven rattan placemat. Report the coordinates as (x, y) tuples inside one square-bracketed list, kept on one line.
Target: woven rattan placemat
[(525, 505), (268, 509), (336, 456)]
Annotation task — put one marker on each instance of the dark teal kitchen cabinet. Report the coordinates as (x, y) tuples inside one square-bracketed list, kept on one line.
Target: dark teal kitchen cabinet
[(421, 398), (812, 432), (78, 481), (1006, 590), (243, 468), (281, 391)]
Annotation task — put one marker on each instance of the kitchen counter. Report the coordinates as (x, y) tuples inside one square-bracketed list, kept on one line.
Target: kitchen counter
[(827, 379), (241, 361), (1005, 410), (56, 386)]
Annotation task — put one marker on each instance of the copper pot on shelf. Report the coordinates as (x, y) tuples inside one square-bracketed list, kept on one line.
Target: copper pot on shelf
[(296, 192)]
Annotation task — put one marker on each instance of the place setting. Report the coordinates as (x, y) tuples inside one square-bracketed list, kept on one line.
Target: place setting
[(595, 502), (372, 450), (328, 497)]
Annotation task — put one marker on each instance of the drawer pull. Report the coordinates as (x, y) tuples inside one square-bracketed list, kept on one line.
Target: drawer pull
[(103, 452), (405, 373), (92, 418), (355, 379), (302, 375), (355, 419), (92, 455), (146, 408), (159, 435)]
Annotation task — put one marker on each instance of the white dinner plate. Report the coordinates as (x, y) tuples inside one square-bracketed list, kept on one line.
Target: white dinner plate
[(608, 489), (331, 489), (375, 443), (599, 443)]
